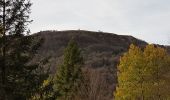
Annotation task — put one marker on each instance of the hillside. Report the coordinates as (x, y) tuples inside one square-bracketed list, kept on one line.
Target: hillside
[(101, 52), (95, 46)]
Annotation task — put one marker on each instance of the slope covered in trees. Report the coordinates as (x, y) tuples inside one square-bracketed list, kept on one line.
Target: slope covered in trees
[(101, 52), (24, 73), (97, 47)]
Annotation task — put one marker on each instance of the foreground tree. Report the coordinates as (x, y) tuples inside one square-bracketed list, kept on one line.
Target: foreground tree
[(143, 74), (129, 74), (19, 79), (158, 65), (69, 75)]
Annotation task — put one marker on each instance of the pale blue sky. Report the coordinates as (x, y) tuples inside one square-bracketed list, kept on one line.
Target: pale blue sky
[(148, 20)]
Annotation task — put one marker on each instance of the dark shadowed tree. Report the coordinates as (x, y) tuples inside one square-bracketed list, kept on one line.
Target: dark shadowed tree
[(69, 75), (19, 79)]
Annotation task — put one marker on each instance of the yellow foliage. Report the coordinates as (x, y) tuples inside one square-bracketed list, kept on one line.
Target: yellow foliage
[(143, 74)]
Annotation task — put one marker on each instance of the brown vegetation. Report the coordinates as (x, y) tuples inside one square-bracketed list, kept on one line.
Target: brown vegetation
[(101, 52)]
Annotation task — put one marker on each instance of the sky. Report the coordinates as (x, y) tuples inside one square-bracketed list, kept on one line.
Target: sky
[(148, 20)]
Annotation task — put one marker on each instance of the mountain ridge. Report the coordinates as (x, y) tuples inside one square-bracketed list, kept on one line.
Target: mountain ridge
[(101, 52)]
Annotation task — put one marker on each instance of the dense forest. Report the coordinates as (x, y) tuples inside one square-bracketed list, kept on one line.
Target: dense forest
[(76, 64)]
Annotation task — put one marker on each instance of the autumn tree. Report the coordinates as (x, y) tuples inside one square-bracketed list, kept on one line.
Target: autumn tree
[(69, 75), (129, 75), (158, 65), (143, 74)]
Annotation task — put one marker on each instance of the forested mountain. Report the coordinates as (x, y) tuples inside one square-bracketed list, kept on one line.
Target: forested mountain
[(76, 64), (101, 52), (97, 47)]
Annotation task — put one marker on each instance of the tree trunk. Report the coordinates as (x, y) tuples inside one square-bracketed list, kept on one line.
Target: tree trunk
[(3, 68)]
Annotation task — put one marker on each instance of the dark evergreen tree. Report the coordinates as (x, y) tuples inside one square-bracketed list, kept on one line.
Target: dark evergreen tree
[(20, 79), (69, 75)]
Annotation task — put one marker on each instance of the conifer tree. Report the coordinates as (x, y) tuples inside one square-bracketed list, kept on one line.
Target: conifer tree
[(19, 79), (69, 74)]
